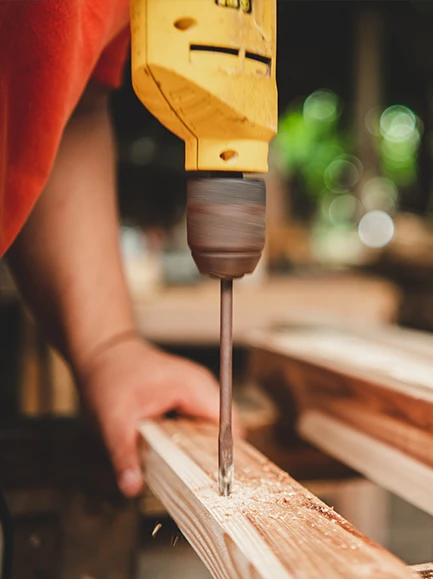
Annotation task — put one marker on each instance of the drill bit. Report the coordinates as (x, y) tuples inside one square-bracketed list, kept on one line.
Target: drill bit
[(225, 439)]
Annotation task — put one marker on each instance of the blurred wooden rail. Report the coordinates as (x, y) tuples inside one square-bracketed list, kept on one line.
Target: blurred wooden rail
[(364, 397), (190, 315), (425, 570)]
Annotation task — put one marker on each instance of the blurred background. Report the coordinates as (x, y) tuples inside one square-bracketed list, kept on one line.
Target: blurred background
[(349, 227), (350, 180)]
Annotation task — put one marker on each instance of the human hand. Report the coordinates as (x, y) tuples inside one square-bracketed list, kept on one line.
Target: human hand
[(133, 380)]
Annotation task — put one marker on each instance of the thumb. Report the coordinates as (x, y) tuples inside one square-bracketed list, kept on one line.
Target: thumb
[(201, 400), (122, 444)]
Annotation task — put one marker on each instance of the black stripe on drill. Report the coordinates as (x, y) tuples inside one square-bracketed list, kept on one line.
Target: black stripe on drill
[(211, 48), (258, 58), (214, 175), (233, 51)]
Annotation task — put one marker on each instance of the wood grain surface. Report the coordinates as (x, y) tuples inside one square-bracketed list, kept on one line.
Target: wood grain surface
[(361, 387), (425, 570), (379, 462), (269, 527), (380, 382)]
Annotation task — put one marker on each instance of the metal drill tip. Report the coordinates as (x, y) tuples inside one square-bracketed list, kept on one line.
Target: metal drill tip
[(225, 439), (225, 481)]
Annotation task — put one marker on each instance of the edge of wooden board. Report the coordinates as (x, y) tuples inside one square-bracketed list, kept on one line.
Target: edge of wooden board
[(200, 493), (270, 527), (425, 570), (379, 462), (273, 342)]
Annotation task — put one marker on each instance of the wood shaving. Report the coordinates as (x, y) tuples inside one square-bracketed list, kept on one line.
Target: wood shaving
[(156, 529)]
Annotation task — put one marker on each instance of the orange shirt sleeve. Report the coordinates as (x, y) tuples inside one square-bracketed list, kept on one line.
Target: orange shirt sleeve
[(48, 52), (110, 67)]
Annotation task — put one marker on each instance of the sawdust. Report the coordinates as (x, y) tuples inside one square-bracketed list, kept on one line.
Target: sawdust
[(157, 528), (295, 525)]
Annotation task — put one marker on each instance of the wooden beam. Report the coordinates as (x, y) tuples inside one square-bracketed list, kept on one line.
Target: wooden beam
[(425, 570), (190, 315), (378, 461), (375, 385), (269, 527)]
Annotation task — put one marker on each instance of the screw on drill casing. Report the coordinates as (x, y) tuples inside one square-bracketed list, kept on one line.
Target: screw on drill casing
[(225, 439)]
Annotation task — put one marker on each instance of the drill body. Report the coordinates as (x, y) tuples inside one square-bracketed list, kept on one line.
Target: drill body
[(206, 70)]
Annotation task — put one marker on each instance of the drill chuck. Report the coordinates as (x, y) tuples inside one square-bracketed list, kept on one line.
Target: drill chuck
[(226, 225)]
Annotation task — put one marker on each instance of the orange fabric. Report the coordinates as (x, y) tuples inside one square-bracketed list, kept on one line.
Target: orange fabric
[(48, 52)]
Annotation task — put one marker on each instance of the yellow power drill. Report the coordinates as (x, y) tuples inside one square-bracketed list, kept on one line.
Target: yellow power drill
[(206, 70)]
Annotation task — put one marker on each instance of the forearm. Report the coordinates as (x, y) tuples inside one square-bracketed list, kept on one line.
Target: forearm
[(66, 260), (67, 263)]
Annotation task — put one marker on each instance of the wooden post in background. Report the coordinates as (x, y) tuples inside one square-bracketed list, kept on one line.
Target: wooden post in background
[(368, 85)]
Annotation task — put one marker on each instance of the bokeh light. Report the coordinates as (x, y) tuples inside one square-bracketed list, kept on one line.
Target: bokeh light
[(322, 105), (308, 140), (343, 173), (379, 193), (376, 229), (398, 124), (328, 181), (401, 132), (344, 209), (142, 151)]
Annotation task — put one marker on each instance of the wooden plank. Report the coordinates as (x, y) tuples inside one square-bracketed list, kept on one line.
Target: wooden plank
[(379, 383), (392, 359), (378, 461), (425, 570), (366, 506), (269, 527)]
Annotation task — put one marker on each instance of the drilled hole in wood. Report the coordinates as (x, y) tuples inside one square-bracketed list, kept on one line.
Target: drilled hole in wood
[(229, 156), (185, 23)]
